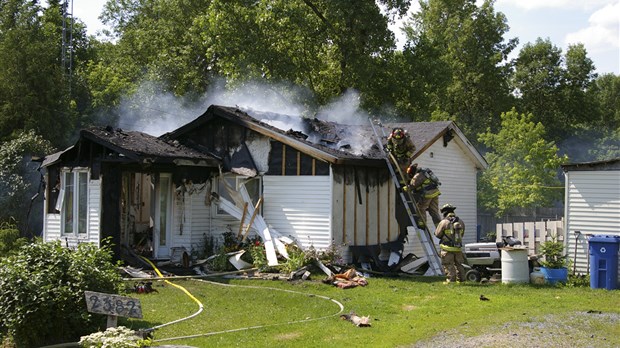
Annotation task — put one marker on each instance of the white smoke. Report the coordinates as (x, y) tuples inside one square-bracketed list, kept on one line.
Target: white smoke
[(154, 111), (344, 110)]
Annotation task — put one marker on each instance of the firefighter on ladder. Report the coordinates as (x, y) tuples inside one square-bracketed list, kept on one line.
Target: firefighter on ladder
[(450, 233), (425, 189), (400, 145)]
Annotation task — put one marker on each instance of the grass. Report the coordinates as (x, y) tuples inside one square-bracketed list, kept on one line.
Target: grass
[(402, 311)]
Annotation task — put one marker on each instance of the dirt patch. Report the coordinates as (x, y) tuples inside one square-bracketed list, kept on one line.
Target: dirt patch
[(577, 329)]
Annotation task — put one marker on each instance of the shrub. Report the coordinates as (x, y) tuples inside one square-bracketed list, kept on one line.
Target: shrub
[(553, 253), (10, 240), (42, 286)]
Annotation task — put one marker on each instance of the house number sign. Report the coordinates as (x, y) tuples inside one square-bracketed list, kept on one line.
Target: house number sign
[(101, 303)]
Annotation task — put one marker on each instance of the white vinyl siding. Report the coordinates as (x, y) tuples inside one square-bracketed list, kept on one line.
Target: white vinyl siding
[(53, 221), (458, 176), (94, 211), (592, 207), (300, 207)]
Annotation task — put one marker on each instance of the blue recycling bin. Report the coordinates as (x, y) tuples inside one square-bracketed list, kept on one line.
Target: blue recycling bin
[(604, 261)]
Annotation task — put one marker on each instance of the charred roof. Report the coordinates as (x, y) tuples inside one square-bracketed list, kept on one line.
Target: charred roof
[(136, 146), (338, 143)]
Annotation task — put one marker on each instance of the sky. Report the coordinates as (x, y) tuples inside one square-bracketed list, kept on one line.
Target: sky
[(595, 23)]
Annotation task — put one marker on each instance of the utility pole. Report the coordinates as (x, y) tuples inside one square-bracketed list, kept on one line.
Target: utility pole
[(66, 55)]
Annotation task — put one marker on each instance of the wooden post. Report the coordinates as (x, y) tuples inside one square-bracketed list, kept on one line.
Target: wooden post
[(112, 321)]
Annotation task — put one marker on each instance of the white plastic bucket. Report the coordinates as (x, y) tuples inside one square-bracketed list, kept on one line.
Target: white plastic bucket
[(515, 268), (537, 277)]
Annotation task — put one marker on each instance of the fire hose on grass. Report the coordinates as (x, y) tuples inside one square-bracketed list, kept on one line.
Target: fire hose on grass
[(201, 307)]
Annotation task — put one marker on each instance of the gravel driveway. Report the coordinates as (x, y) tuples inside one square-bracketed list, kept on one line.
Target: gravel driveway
[(578, 329)]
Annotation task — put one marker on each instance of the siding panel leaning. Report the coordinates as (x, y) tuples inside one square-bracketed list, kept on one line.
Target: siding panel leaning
[(300, 207)]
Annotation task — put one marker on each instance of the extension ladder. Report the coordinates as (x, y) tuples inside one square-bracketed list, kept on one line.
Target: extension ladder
[(411, 206)]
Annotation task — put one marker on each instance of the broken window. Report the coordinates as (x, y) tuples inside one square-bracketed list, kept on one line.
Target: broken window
[(228, 182), (73, 201)]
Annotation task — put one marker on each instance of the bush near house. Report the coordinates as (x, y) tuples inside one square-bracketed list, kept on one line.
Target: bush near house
[(10, 240), (42, 292)]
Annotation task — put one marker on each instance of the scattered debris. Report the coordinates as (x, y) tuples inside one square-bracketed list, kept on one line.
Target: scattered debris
[(349, 279), (136, 272), (356, 320), (302, 273), (144, 288), (323, 268)]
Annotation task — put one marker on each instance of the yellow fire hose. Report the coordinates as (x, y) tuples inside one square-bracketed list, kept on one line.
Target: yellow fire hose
[(200, 306)]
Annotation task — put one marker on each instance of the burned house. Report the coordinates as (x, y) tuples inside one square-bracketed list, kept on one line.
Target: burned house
[(120, 185), (319, 183)]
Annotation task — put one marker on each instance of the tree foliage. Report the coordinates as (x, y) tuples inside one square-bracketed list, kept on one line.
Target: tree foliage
[(554, 87), (460, 52), (324, 46), (34, 91), (523, 166), (42, 287), (18, 177)]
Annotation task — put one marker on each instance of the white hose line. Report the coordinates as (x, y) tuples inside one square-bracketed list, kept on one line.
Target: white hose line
[(340, 305)]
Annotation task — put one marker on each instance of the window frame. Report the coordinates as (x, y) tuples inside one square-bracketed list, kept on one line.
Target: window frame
[(239, 179), (78, 220)]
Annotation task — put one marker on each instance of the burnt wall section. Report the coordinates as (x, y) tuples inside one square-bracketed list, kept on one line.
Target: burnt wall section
[(110, 207), (364, 207), (285, 160), (217, 137)]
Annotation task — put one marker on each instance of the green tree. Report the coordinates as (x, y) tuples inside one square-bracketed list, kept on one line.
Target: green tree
[(34, 91), (554, 87), (605, 91), (324, 46), (523, 166), (457, 51), (18, 177)]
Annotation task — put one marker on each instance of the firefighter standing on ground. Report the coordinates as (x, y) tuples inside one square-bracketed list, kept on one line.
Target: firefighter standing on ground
[(450, 233), (425, 191), (400, 145)]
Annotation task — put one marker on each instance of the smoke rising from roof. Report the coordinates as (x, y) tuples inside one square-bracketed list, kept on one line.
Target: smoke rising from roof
[(155, 111), (344, 110)]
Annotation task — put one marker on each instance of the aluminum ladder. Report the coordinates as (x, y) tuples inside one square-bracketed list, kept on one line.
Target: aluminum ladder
[(426, 237)]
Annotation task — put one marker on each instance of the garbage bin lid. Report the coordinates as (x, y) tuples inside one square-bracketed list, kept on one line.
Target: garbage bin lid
[(604, 238)]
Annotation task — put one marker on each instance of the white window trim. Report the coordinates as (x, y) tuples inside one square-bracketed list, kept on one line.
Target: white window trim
[(61, 201)]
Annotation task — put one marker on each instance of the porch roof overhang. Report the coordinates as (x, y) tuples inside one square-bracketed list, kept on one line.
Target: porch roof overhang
[(130, 147)]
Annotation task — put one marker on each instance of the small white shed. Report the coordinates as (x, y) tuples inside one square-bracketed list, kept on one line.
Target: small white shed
[(592, 207)]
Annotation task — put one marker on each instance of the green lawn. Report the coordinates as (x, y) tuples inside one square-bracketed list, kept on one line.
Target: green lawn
[(270, 313)]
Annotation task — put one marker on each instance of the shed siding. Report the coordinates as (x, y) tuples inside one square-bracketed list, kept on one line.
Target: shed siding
[(300, 207), (592, 207), (457, 174)]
